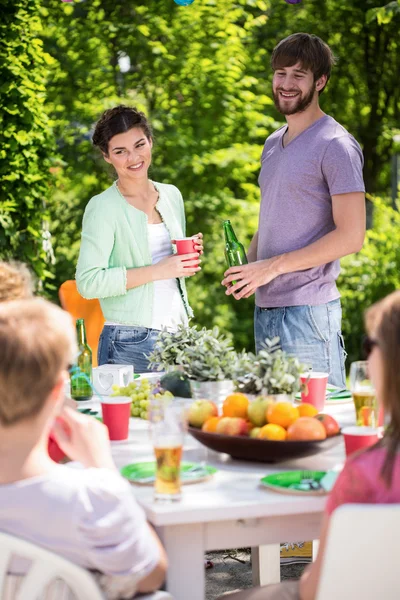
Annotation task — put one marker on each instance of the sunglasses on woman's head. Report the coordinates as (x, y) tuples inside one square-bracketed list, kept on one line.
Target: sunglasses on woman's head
[(368, 344)]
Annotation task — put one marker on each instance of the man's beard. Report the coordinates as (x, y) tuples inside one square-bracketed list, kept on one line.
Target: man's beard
[(301, 102)]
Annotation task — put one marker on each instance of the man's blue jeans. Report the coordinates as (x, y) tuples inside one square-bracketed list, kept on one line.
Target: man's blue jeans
[(312, 333)]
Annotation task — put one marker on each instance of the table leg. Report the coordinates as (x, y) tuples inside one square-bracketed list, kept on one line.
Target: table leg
[(266, 565), (315, 547), (184, 545)]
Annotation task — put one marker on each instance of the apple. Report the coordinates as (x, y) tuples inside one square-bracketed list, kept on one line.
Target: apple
[(200, 411), (232, 426), (330, 424), (257, 411), (254, 432)]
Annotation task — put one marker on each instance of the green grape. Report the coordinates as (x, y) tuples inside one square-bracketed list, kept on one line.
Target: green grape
[(115, 387), (143, 414), (135, 412), (143, 403)]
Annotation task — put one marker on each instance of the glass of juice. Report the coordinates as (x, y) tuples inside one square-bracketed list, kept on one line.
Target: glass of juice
[(363, 393), (167, 417)]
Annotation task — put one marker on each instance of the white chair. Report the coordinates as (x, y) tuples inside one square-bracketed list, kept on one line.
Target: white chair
[(46, 567), (361, 559)]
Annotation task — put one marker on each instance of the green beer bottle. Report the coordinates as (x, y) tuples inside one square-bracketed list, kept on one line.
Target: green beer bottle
[(234, 250), (81, 373)]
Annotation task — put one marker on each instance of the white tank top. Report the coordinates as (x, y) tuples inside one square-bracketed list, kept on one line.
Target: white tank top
[(168, 307)]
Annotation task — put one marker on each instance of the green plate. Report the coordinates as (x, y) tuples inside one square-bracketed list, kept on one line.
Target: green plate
[(340, 398), (143, 473), (291, 482)]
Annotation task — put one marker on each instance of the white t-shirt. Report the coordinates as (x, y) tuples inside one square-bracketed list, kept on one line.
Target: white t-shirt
[(168, 308), (88, 516)]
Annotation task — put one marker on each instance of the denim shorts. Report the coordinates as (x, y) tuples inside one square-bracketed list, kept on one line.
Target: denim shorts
[(312, 333), (127, 345)]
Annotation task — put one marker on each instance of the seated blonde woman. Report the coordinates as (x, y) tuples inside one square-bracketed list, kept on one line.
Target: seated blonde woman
[(88, 516), (16, 281), (368, 477)]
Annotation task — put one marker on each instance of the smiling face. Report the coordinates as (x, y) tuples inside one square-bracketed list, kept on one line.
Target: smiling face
[(130, 153), (294, 89)]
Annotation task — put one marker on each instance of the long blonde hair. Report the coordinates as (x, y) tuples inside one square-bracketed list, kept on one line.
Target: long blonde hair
[(383, 325)]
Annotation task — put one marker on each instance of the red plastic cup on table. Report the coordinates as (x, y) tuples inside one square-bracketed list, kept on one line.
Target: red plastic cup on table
[(116, 412), (314, 388), (186, 245), (358, 437)]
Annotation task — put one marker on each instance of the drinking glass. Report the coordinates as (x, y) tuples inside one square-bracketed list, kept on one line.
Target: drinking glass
[(168, 424), (363, 393)]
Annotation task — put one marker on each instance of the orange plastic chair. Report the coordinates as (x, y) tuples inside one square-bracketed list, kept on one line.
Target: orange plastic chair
[(80, 308)]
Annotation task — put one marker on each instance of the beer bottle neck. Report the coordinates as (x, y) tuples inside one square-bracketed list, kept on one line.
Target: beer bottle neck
[(229, 233), (81, 332)]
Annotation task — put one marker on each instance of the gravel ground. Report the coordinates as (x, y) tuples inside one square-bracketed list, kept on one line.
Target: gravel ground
[(232, 571)]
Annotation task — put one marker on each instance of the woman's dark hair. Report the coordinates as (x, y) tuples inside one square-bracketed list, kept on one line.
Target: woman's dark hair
[(308, 50), (383, 325), (118, 120)]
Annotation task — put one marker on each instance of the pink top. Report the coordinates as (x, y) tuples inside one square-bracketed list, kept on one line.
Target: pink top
[(361, 482)]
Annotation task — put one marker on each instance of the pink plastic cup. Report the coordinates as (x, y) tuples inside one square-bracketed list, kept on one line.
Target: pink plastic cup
[(116, 412), (356, 438), (186, 245), (314, 390)]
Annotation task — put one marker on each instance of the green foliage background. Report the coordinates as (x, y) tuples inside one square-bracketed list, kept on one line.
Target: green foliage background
[(202, 75)]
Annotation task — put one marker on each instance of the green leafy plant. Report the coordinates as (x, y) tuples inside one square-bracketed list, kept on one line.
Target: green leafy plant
[(202, 354), (271, 371)]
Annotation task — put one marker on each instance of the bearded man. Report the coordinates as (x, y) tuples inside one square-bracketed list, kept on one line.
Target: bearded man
[(312, 213)]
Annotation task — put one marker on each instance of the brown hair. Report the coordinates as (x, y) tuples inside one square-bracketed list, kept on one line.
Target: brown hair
[(119, 120), (37, 342), (16, 281), (308, 50), (383, 325)]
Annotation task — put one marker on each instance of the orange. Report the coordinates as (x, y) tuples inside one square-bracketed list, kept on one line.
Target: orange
[(211, 424), (306, 429), (235, 405), (307, 410), (282, 413), (272, 432)]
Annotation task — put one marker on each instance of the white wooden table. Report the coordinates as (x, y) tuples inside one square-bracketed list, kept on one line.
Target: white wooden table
[(229, 511)]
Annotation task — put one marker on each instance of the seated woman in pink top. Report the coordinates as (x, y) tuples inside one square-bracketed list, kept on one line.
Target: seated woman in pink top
[(87, 515), (371, 476)]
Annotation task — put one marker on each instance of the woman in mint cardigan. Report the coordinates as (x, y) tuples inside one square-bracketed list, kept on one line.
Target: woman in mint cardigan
[(126, 258)]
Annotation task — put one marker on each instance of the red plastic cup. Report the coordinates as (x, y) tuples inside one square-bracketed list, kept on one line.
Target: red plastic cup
[(186, 246), (356, 438), (54, 450), (314, 391), (116, 412)]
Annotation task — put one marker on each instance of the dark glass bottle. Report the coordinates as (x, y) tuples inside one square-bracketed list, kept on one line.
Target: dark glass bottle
[(81, 372), (234, 250)]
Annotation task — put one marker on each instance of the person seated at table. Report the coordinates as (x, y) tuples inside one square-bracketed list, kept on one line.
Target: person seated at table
[(368, 477), (16, 281), (88, 515)]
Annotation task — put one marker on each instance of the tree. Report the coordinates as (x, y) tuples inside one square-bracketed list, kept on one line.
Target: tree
[(27, 150)]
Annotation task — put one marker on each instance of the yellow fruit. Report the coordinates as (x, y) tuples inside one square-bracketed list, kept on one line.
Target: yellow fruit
[(307, 410), (211, 424), (272, 432), (235, 405), (282, 413)]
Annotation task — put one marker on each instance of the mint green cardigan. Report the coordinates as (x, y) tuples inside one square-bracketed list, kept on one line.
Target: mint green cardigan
[(114, 239)]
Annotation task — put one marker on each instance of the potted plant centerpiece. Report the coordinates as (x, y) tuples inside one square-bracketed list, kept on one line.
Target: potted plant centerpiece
[(205, 355), (272, 372)]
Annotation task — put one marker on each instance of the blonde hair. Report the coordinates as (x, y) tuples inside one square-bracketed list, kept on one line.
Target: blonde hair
[(16, 281), (382, 322), (37, 342)]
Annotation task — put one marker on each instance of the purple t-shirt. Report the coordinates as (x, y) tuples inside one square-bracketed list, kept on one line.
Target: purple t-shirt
[(297, 183)]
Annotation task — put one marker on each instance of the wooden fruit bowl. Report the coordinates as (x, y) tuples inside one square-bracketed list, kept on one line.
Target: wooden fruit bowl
[(246, 448)]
